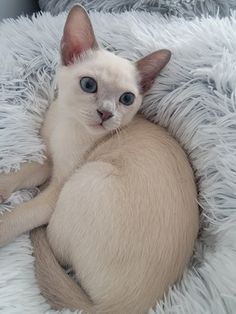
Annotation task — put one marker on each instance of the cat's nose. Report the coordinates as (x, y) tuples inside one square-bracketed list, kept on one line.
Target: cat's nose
[(104, 114)]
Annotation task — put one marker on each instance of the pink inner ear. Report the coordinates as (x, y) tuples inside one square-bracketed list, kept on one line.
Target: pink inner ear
[(150, 66), (78, 36), (70, 55)]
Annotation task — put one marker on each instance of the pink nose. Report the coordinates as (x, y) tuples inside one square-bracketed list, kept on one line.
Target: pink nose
[(104, 115)]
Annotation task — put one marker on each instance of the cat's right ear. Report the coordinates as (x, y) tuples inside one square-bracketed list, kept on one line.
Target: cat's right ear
[(78, 35)]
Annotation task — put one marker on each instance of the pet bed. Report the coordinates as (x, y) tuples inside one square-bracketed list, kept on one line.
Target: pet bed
[(194, 97), (181, 8)]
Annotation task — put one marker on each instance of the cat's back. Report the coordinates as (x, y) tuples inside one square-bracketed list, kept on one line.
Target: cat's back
[(154, 179)]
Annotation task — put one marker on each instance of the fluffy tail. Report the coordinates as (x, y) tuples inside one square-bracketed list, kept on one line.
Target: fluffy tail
[(57, 287)]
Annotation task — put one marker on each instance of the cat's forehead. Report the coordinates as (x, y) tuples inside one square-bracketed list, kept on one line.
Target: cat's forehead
[(109, 68)]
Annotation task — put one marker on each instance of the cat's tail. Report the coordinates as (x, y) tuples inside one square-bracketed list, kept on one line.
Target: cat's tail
[(59, 289)]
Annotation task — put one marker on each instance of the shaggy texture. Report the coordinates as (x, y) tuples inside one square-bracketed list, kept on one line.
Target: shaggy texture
[(195, 98), (181, 8)]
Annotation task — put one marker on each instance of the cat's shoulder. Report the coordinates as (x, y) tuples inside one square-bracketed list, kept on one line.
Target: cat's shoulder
[(141, 125)]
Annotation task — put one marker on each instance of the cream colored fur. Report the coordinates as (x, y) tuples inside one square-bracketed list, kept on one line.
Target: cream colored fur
[(121, 201)]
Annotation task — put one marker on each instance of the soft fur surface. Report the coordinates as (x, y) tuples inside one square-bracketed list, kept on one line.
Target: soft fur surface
[(195, 97), (181, 8)]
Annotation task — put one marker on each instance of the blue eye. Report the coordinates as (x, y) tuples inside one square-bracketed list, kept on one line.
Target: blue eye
[(127, 98), (88, 84)]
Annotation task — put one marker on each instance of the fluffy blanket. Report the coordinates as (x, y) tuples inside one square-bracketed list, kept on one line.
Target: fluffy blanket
[(181, 8), (195, 98)]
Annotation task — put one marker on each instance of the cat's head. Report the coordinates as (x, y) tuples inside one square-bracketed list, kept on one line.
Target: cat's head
[(103, 91)]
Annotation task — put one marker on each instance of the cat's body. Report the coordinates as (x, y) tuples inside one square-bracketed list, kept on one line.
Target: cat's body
[(130, 219), (121, 205)]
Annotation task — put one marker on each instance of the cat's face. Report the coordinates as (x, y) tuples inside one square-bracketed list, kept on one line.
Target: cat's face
[(101, 90), (97, 88)]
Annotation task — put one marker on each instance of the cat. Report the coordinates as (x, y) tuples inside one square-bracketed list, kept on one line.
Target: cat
[(121, 201)]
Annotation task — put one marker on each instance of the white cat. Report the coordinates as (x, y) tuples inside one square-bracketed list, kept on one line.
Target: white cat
[(121, 201)]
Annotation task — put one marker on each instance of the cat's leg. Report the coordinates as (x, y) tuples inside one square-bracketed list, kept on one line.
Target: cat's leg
[(29, 215), (30, 175)]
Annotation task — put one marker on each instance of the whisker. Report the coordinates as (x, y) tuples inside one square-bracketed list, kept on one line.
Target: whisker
[(119, 134)]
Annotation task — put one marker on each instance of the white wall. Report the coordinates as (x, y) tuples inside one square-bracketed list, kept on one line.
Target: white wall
[(14, 8)]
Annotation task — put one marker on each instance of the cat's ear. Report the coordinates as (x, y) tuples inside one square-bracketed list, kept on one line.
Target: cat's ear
[(150, 66), (78, 35)]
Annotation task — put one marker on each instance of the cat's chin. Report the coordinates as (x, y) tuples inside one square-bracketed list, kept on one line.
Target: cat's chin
[(97, 129)]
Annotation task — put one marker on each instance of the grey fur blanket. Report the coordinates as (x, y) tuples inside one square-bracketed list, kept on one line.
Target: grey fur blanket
[(182, 8)]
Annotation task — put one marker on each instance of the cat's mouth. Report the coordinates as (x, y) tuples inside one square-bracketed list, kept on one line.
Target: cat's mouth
[(98, 126)]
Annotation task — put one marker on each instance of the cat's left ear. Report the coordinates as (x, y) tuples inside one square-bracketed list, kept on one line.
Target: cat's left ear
[(150, 66), (78, 35)]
